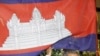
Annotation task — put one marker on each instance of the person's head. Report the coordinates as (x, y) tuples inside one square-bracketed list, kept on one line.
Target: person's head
[(71, 53)]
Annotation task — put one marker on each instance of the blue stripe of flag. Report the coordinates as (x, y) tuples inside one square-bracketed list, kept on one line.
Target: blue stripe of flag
[(25, 1), (87, 43)]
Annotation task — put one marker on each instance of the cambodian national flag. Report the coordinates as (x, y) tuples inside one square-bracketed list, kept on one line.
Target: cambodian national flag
[(27, 27)]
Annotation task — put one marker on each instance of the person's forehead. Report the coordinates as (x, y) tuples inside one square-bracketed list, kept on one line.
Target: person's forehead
[(72, 54)]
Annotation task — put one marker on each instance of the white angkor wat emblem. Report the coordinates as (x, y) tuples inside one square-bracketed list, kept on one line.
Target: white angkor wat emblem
[(36, 32)]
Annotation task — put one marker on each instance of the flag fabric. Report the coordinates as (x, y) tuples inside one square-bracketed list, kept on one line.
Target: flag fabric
[(27, 27)]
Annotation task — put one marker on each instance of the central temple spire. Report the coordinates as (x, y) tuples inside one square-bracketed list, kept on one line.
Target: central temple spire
[(36, 14)]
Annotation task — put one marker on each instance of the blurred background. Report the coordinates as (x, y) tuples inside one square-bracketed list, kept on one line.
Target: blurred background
[(98, 13), (98, 27)]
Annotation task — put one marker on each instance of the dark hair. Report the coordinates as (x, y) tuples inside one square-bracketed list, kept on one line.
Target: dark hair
[(71, 52)]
